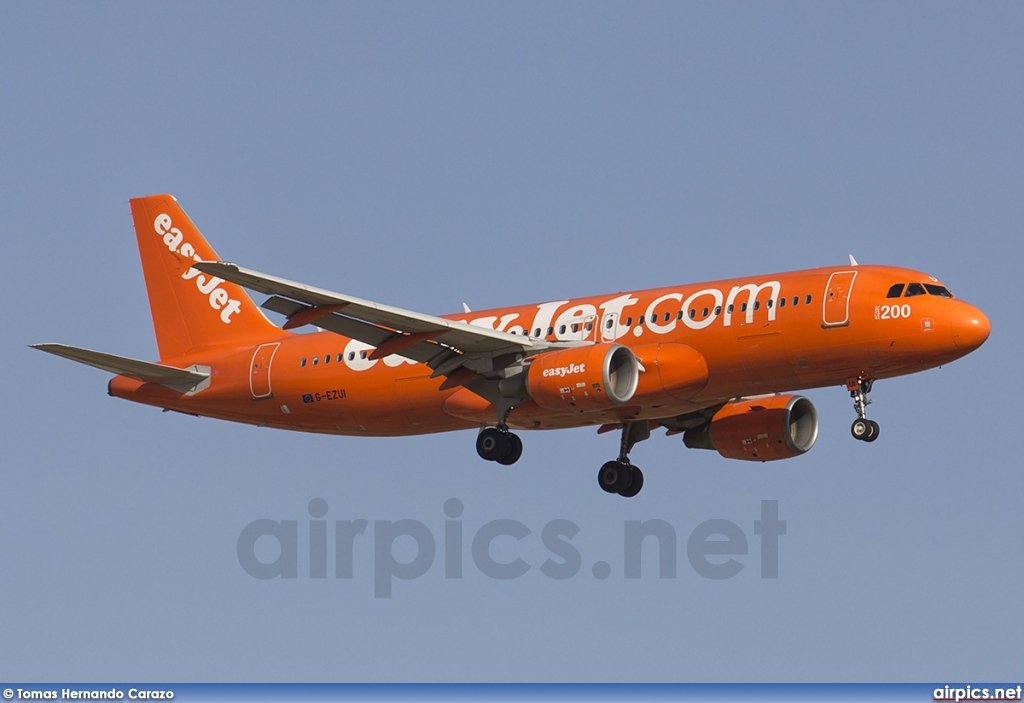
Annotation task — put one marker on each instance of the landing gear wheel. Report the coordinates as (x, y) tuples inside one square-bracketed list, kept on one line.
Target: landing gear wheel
[(515, 450), (614, 476), (865, 430), (635, 485), (493, 445), (861, 429), (620, 476)]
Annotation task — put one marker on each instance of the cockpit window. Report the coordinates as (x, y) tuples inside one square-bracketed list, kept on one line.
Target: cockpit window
[(895, 291), (914, 289), (938, 290)]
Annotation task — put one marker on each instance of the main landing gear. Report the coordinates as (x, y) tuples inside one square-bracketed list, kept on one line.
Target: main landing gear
[(620, 476), (500, 445), (863, 429), (497, 443)]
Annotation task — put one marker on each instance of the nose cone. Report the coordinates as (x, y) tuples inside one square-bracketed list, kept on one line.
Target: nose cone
[(969, 326)]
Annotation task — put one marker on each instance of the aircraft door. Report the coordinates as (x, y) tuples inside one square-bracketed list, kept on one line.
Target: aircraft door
[(259, 371), (836, 307)]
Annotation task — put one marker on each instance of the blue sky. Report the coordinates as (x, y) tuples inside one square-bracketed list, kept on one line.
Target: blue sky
[(498, 153)]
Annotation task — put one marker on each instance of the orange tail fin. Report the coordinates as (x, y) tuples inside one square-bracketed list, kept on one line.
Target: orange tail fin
[(190, 309)]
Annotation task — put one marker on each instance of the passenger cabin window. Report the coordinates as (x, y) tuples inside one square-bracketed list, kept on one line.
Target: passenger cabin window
[(937, 290), (705, 312), (796, 300), (640, 321), (561, 329), (914, 289), (316, 360), (536, 332), (679, 315), (303, 362), (668, 316), (718, 310), (895, 290), (757, 304), (782, 302), (327, 358), (339, 357), (807, 300), (693, 313), (743, 307), (629, 321)]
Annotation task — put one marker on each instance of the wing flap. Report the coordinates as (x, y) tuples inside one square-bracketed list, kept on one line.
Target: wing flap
[(144, 371), (423, 352)]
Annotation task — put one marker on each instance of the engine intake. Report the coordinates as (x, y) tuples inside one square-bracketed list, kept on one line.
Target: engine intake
[(594, 377), (763, 429)]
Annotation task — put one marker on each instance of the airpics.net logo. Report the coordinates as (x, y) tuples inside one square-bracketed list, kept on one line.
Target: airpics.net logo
[(502, 549)]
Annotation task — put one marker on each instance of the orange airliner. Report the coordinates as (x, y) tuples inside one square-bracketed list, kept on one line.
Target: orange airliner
[(714, 361)]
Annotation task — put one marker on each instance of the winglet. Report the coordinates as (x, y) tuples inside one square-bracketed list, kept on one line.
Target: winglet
[(853, 261)]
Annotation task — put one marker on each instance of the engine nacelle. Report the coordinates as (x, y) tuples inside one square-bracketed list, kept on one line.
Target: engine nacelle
[(594, 377), (763, 429), (672, 372)]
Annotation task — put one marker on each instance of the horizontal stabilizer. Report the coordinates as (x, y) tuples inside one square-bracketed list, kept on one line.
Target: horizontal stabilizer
[(144, 371)]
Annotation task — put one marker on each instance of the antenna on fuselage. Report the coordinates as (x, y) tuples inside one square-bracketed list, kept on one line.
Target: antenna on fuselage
[(853, 261)]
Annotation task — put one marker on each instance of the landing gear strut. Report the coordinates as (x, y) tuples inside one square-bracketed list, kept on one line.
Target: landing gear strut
[(498, 444), (863, 429), (620, 476)]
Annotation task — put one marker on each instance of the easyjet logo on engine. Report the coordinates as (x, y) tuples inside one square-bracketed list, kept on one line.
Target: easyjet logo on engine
[(565, 370), (217, 297)]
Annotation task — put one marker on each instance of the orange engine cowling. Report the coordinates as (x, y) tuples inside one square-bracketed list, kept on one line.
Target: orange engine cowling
[(763, 429), (594, 377)]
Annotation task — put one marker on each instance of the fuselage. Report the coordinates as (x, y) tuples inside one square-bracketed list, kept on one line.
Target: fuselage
[(756, 335)]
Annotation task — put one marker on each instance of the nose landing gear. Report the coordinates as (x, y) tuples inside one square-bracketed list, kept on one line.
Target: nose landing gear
[(863, 429)]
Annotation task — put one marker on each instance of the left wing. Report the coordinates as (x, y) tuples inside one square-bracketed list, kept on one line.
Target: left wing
[(446, 346), (144, 371)]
